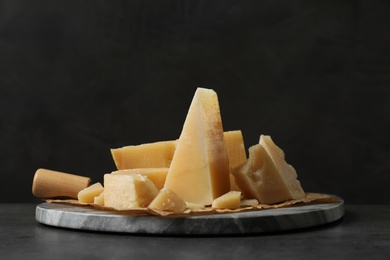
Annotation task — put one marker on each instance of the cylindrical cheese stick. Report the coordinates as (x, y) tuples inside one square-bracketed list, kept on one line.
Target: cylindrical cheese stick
[(53, 184)]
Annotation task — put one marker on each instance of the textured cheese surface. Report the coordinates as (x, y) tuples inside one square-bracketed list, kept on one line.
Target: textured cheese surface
[(286, 171), (230, 200), (127, 191), (235, 148), (88, 194), (259, 178), (151, 155), (167, 200), (156, 175), (99, 200), (199, 171)]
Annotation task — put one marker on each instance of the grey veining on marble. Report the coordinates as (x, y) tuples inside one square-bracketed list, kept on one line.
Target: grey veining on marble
[(250, 222)]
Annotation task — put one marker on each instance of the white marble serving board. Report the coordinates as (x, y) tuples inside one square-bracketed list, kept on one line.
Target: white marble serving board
[(247, 222)]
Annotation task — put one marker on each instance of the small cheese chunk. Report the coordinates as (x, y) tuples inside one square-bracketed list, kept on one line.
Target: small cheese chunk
[(99, 200), (260, 179), (286, 171), (235, 148), (230, 200), (127, 191), (194, 206), (151, 155), (167, 200), (199, 171), (88, 194), (156, 175), (249, 202)]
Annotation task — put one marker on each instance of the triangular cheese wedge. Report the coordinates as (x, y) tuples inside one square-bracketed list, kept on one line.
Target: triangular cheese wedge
[(199, 170)]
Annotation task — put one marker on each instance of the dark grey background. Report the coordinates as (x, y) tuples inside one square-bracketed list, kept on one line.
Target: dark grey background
[(80, 77)]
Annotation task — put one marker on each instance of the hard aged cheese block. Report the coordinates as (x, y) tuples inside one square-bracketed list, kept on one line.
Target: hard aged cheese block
[(235, 148), (230, 200), (199, 171), (285, 170), (151, 155), (127, 191), (259, 178), (156, 175), (167, 200), (88, 194)]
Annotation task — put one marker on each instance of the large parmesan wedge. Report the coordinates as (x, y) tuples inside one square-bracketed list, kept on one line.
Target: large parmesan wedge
[(199, 170)]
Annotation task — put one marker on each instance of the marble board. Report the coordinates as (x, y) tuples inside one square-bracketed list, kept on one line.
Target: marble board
[(247, 222)]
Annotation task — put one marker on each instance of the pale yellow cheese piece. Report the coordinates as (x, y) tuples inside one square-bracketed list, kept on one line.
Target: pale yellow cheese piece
[(285, 170), (249, 202), (150, 155), (156, 175), (235, 148), (194, 206), (167, 200), (99, 200), (260, 179), (88, 194), (160, 154), (199, 170), (230, 200), (127, 191)]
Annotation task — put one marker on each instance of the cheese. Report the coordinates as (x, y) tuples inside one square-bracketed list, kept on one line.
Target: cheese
[(150, 155), (286, 171), (194, 206), (88, 194), (260, 179), (127, 191), (230, 200), (99, 200), (199, 170), (156, 175), (167, 200), (160, 154), (249, 202), (235, 148)]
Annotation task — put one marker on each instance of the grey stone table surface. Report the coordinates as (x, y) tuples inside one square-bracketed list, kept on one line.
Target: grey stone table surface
[(363, 233)]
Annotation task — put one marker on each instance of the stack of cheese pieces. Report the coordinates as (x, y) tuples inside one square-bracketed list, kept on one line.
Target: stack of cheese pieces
[(204, 167)]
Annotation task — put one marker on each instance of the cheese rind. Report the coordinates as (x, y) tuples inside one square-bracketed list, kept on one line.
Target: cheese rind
[(156, 175), (286, 171), (199, 170), (150, 155), (127, 191), (230, 200), (167, 200), (88, 194)]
